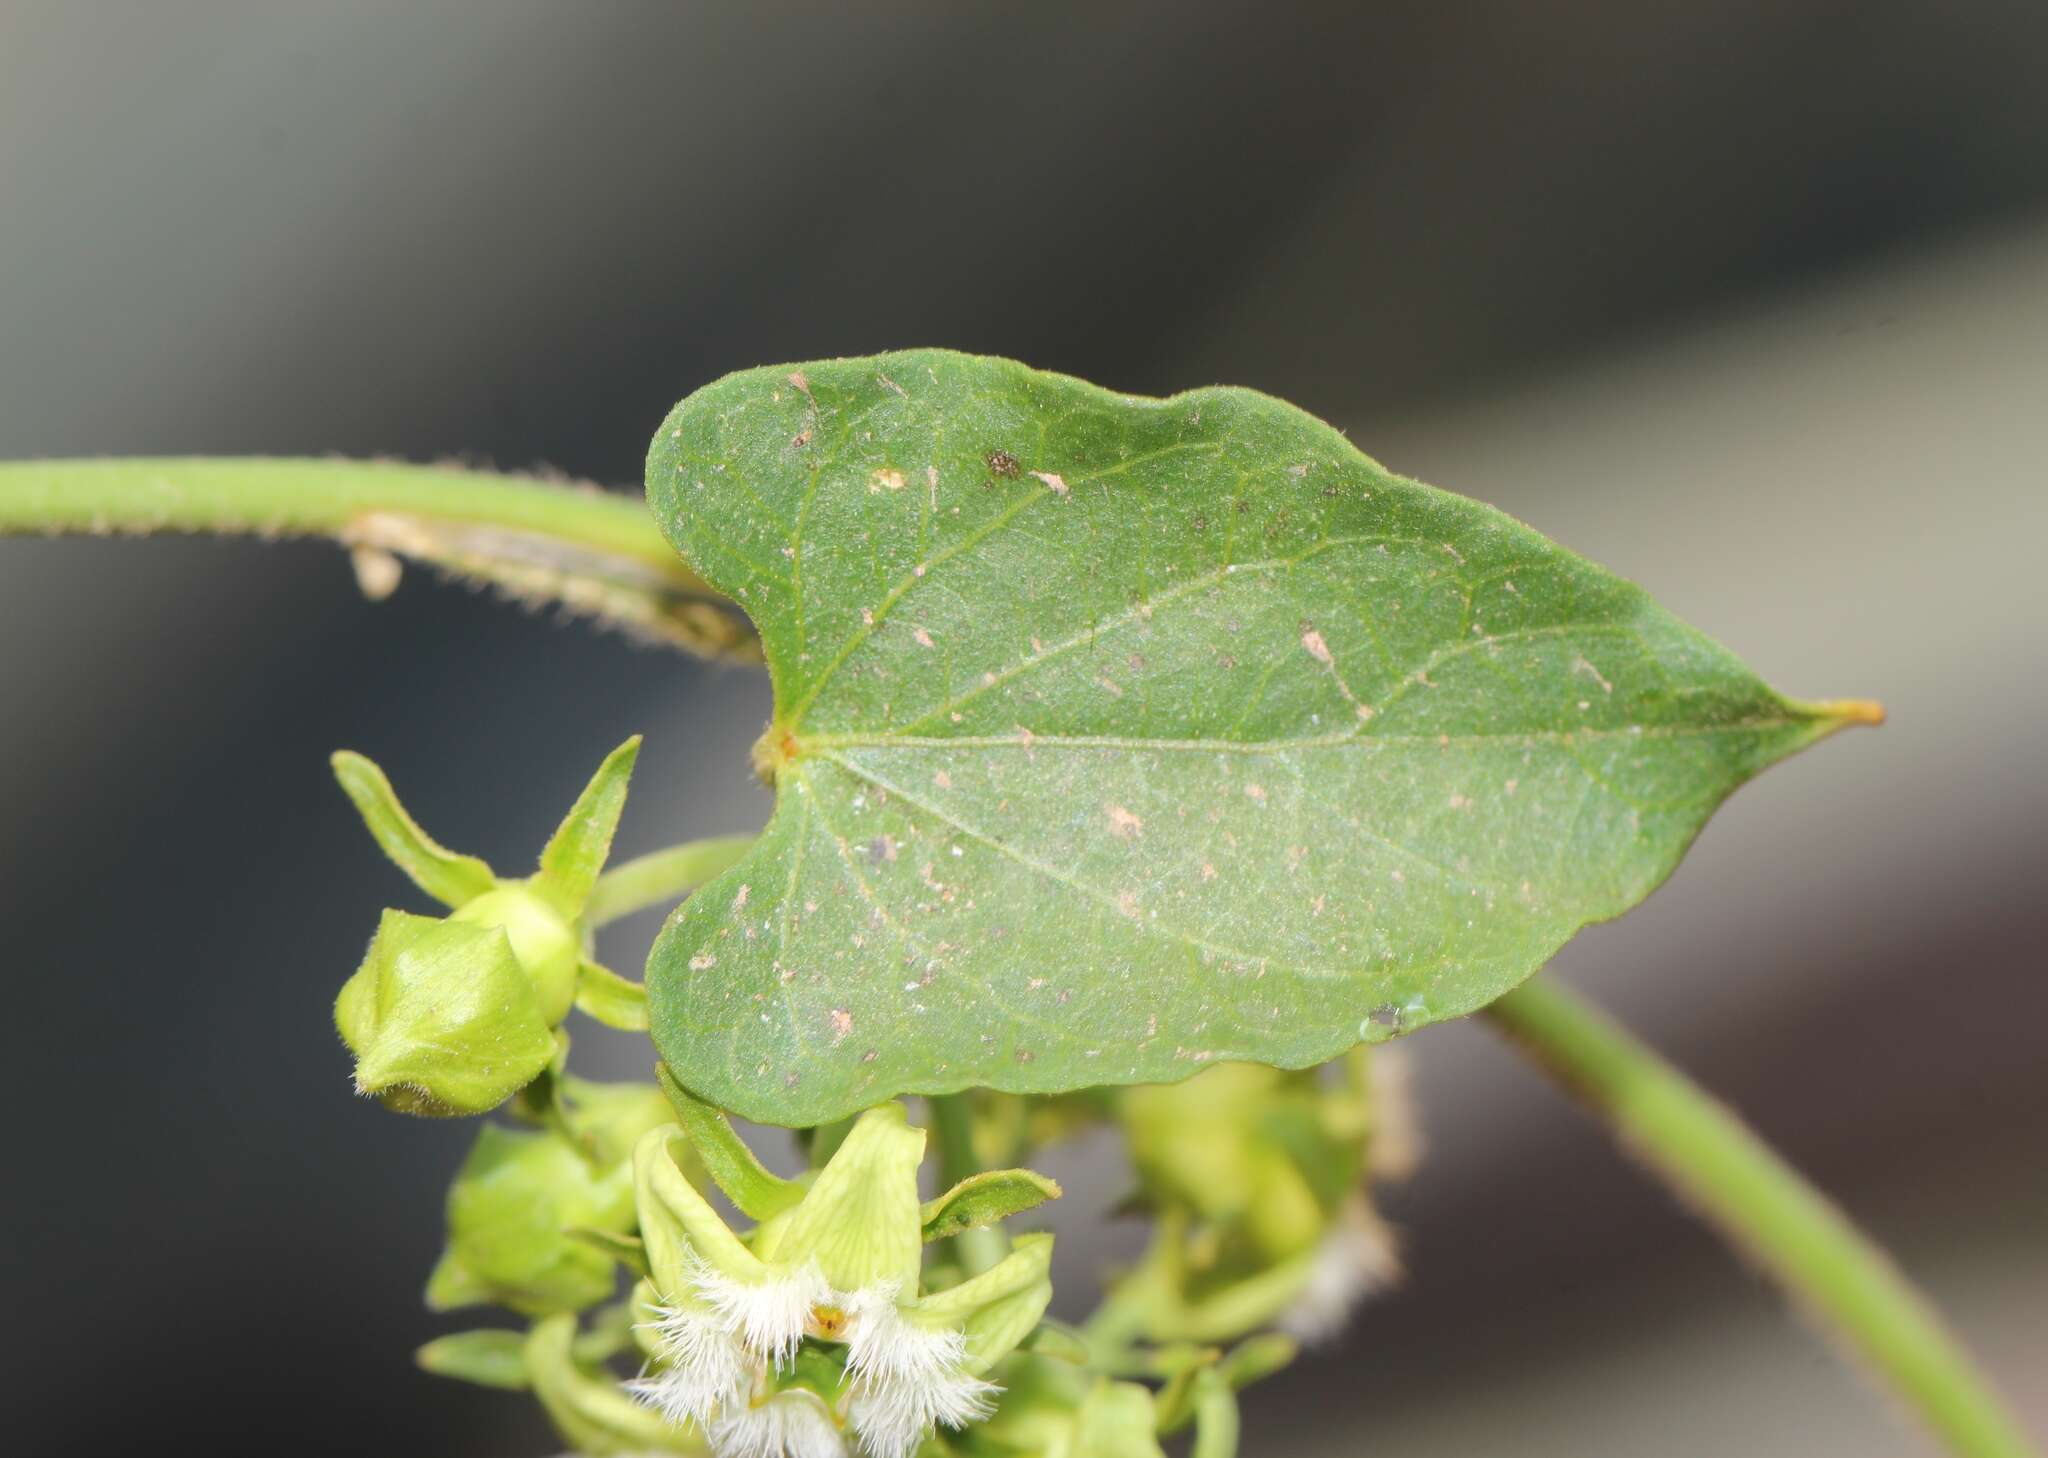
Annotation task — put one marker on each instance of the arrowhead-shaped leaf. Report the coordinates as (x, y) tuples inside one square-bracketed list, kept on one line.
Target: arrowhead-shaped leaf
[(1114, 736)]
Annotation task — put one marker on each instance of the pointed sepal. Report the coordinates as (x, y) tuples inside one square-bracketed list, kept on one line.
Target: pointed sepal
[(570, 864), (604, 995), (758, 1192), (449, 878), (487, 1358)]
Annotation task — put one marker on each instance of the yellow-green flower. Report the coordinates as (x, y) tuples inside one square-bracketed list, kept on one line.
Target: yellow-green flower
[(811, 1336)]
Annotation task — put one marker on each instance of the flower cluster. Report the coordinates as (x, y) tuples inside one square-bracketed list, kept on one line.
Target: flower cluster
[(1258, 1181)]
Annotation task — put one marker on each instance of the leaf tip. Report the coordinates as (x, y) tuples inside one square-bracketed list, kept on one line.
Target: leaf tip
[(1850, 713)]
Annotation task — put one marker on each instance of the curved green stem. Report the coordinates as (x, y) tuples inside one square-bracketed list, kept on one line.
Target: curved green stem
[(592, 551), (663, 875), (1762, 1205), (1216, 1417)]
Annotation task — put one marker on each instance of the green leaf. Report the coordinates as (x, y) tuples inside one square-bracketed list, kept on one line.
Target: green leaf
[(449, 878), (984, 1199), (487, 1358), (606, 996), (570, 863), (758, 1192), (1118, 736)]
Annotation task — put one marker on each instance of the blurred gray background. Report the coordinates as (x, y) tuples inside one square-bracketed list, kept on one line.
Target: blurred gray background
[(1749, 301)]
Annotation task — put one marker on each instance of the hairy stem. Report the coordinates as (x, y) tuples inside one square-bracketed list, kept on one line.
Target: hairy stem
[(663, 875), (1764, 1207), (593, 552)]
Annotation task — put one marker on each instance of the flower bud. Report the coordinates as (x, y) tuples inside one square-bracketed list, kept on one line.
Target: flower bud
[(521, 1194), (547, 944), (442, 1018), (1055, 1409), (454, 1015)]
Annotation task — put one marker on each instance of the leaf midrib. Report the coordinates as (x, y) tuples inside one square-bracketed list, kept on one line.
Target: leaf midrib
[(824, 744), (1154, 926)]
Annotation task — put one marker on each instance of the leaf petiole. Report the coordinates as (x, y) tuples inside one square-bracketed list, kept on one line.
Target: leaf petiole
[(663, 875), (1766, 1208)]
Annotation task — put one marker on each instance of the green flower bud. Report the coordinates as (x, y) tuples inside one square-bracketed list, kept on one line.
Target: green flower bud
[(547, 944), (1052, 1410), (521, 1195), (453, 1016), (442, 1018)]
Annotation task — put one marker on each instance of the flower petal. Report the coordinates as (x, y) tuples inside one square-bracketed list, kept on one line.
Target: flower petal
[(794, 1423), (705, 1369), (679, 1226), (906, 1376), (861, 1222)]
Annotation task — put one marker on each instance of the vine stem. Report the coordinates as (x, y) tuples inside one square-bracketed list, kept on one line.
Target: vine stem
[(663, 875), (593, 551), (1764, 1207)]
